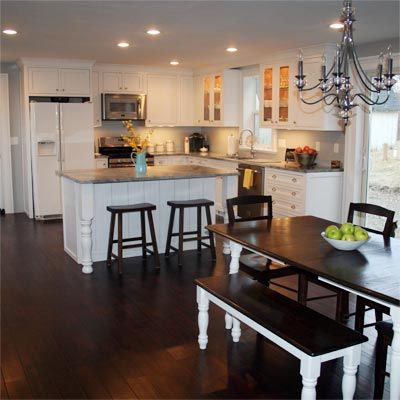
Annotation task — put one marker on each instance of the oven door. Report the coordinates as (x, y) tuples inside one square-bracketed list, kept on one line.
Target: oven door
[(120, 107)]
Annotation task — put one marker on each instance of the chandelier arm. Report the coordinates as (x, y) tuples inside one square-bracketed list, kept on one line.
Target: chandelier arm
[(330, 103), (311, 103), (361, 72), (310, 88), (371, 102)]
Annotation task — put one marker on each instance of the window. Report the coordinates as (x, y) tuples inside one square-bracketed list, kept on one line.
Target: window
[(265, 137)]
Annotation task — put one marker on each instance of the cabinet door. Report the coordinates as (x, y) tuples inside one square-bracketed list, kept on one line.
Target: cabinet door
[(162, 100), (217, 100), (112, 82), (43, 81), (207, 99), (96, 99), (267, 95), (186, 101), (283, 103), (132, 82), (75, 81)]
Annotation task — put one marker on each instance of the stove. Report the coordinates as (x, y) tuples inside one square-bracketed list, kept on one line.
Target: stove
[(118, 152)]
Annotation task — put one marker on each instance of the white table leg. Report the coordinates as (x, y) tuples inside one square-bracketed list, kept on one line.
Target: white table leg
[(203, 303), (310, 369), (351, 361), (226, 249), (236, 331), (395, 356), (235, 250)]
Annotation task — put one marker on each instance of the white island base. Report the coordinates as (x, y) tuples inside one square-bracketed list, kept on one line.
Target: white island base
[(86, 220)]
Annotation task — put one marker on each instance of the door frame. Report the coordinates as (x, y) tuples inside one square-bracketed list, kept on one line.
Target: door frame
[(6, 190)]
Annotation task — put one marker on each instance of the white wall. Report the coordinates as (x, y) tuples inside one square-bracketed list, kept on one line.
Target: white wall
[(16, 134), (160, 135)]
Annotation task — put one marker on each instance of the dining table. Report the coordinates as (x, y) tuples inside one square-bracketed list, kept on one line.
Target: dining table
[(372, 271)]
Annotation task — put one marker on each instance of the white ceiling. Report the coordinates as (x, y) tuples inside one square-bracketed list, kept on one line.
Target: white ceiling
[(194, 32)]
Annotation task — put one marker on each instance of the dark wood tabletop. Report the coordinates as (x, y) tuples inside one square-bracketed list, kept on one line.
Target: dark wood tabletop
[(373, 269)]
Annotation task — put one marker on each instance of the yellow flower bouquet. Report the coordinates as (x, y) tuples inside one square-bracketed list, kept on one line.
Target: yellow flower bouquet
[(138, 144)]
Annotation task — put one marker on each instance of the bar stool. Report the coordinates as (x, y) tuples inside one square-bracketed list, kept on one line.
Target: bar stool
[(181, 205), (120, 210)]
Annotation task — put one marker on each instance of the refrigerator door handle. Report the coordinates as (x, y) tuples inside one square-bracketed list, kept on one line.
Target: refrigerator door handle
[(62, 138)]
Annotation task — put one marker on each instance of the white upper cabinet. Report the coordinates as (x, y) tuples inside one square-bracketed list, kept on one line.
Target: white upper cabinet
[(96, 99), (186, 101), (318, 116), (59, 81), (217, 102), (122, 82), (277, 96), (162, 100)]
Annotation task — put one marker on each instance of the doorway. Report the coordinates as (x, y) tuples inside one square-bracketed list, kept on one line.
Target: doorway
[(382, 178)]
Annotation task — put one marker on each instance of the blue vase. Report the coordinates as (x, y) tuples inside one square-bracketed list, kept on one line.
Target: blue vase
[(140, 162)]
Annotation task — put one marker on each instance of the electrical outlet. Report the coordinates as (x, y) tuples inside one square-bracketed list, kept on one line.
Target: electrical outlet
[(317, 146), (336, 147), (282, 143)]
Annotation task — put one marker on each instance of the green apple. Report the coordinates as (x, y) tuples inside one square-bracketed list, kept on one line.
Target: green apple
[(361, 234), (347, 228), (330, 228), (334, 234), (348, 237)]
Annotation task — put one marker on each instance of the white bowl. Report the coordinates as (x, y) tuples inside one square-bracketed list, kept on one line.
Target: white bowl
[(345, 245)]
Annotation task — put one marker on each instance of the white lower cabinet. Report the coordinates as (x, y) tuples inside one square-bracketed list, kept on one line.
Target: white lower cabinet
[(170, 160), (311, 193)]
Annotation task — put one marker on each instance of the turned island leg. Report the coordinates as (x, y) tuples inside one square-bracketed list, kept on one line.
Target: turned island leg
[(86, 206)]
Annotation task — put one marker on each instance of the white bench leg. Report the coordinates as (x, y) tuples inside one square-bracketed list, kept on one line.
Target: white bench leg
[(203, 302), (236, 330), (228, 321), (310, 369), (351, 361)]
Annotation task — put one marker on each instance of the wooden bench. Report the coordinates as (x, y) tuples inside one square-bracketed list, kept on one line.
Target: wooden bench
[(308, 335)]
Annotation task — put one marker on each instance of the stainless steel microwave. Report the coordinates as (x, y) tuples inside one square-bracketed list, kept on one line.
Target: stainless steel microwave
[(120, 107)]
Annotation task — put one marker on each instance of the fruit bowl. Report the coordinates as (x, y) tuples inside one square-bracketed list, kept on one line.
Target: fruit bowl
[(344, 244), (305, 160)]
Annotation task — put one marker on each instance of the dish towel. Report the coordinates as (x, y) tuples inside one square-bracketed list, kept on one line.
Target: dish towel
[(248, 178)]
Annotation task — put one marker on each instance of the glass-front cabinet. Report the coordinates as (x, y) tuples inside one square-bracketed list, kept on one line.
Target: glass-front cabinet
[(212, 99), (276, 95)]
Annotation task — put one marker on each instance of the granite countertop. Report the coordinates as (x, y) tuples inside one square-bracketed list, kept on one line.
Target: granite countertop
[(111, 175), (263, 162)]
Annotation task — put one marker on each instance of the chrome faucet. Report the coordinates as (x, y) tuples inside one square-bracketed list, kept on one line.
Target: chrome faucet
[(252, 151)]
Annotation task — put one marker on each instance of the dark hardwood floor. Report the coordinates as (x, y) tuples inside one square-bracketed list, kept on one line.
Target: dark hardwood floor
[(69, 335)]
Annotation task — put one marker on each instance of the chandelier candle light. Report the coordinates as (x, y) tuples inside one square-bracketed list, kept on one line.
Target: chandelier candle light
[(335, 84)]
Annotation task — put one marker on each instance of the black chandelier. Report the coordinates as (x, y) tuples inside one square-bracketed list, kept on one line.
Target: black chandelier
[(335, 83)]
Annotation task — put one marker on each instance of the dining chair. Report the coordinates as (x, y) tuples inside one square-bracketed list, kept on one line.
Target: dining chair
[(259, 267), (363, 305)]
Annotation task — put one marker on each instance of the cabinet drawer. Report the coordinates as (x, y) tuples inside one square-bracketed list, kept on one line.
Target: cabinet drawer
[(291, 180), (287, 206), (291, 194)]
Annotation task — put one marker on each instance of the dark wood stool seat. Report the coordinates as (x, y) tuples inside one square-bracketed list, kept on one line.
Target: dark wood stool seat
[(143, 208), (385, 337), (181, 205)]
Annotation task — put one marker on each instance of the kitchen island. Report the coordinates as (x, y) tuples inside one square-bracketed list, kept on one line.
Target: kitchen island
[(87, 193)]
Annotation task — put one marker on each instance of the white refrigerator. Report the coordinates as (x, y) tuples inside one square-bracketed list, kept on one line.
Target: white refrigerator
[(61, 139)]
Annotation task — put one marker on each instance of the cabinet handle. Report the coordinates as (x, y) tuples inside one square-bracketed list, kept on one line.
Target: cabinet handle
[(294, 180), (274, 189), (120, 87), (63, 90), (294, 122), (274, 176), (293, 193), (276, 122), (293, 207), (126, 88), (56, 90)]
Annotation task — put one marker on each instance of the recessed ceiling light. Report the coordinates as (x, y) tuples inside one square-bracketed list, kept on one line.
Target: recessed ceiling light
[(153, 32), (174, 62), (10, 31), (232, 49), (336, 25), (123, 44)]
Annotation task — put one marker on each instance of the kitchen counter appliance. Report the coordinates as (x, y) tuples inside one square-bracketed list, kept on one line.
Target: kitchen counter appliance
[(121, 107), (118, 152), (196, 142)]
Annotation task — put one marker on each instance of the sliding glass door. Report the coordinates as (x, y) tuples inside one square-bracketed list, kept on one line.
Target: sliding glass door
[(382, 157)]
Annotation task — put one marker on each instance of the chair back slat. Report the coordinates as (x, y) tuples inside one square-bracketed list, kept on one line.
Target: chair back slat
[(373, 209), (248, 200)]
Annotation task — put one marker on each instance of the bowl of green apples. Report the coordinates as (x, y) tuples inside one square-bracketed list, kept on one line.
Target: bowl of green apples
[(347, 237)]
